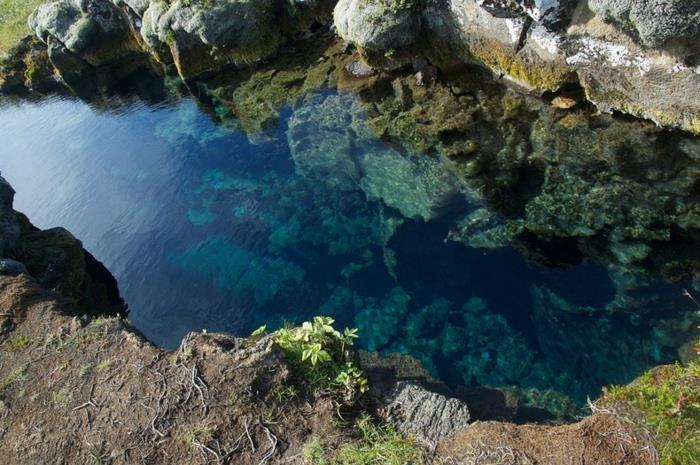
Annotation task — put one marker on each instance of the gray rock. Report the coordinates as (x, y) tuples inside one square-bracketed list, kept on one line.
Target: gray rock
[(204, 36), (502, 8), (9, 267), (77, 24), (428, 416), (359, 69), (654, 22), (137, 6), (548, 12), (378, 25)]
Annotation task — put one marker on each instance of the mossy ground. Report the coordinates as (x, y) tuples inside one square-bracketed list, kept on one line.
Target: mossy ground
[(13, 21), (666, 401)]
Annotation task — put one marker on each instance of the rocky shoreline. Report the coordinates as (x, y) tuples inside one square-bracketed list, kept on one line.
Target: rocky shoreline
[(111, 396), (641, 61)]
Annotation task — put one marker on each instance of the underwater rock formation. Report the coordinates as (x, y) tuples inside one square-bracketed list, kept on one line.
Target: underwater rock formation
[(331, 141)]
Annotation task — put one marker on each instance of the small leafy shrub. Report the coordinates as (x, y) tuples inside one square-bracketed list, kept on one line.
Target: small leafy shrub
[(668, 401), (323, 357), (377, 445)]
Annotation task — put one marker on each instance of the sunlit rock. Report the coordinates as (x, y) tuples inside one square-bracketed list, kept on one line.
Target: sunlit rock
[(653, 22), (379, 25)]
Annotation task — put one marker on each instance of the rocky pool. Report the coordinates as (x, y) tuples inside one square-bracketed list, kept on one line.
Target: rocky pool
[(500, 240)]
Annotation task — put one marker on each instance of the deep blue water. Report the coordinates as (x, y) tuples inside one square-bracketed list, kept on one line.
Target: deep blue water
[(205, 230)]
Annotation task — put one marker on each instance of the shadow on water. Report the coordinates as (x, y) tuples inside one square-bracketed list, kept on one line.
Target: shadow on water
[(518, 251)]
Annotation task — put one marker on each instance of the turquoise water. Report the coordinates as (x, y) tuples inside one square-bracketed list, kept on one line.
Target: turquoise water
[(207, 227)]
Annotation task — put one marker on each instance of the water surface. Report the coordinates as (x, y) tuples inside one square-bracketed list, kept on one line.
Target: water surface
[(207, 227)]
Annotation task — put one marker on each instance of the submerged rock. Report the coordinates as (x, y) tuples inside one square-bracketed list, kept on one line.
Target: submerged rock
[(357, 68)]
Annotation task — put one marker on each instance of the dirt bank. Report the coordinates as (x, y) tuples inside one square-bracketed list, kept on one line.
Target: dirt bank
[(78, 391)]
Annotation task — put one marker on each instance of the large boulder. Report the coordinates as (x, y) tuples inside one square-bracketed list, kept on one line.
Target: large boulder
[(203, 37), (653, 22), (379, 25), (94, 30)]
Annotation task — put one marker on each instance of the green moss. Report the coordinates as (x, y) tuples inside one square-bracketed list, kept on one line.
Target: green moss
[(669, 117), (13, 21), (540, 75), (62, 397), (666, 401)]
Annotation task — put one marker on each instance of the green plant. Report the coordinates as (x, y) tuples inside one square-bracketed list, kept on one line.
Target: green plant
[(322, 356), (666, 401), (62, 397), (314, 453), (380, 444), (377, 445), (284, 394)]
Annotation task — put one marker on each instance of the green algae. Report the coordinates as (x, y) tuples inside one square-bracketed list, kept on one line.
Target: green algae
[(524, 68)]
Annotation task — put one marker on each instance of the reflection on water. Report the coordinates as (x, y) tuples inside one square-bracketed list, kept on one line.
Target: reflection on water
[(503, 257)]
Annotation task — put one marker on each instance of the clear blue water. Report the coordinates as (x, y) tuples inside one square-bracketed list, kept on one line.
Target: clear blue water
[(205, 230)]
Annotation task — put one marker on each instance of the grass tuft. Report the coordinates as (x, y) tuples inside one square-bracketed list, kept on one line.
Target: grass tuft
[(667, 402), (377, 444)]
